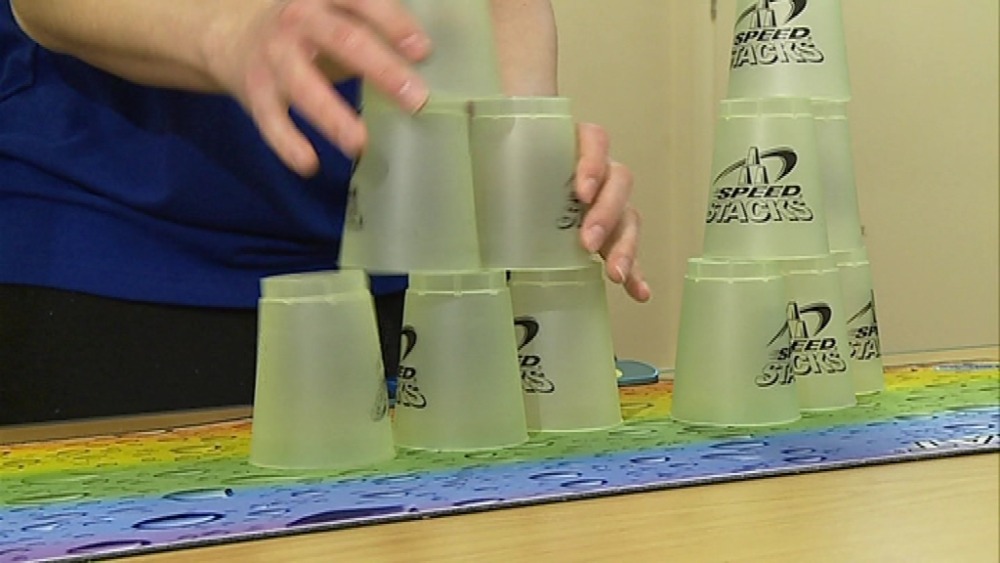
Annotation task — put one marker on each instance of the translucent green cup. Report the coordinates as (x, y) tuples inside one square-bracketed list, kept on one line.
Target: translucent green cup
[(821, 351), (411, 205), (320, 400), (733, 345), (459, 384), (789, 49), (524, 163), (767, 198), (833, 137), (565, 348), (463, 63), (862, 322)]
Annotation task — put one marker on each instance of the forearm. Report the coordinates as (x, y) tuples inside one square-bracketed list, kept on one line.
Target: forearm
[(527, 46), (154, 42)]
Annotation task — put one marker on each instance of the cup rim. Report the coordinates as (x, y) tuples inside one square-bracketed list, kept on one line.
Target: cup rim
[(458, 283), (591, 273), (706, 268), (809, 264), (778, 106), (521, 106), (300, 285)]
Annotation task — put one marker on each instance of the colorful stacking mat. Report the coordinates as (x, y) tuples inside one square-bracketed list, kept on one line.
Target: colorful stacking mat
[(183, 487)]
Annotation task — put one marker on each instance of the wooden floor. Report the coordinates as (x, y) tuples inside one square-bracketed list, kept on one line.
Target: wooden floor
[(937, 511)]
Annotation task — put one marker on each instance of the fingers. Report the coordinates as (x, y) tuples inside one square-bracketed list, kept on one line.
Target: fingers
[(282, 68), (309, 92), (270, 113), (354, 42), (637, 287), (397, 26), (611, 225), (607, 207), (593, 146), (620, 256)]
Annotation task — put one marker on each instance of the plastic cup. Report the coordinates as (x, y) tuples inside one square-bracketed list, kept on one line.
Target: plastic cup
[(524, 163), (833, 137), (792, 48), (733, 345), (463, 63), (459, 384), (862, 321), (767, 198), (820, 357), (320, 400), (566, 351), (411, 205)]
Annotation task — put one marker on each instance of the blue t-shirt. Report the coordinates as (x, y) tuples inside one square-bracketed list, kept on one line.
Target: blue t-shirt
[(116, 189)]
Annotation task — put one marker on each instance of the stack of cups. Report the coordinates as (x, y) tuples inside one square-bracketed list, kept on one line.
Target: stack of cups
[(847, 244), (524, 161), (472, 187), (783, 194), (411, 206)]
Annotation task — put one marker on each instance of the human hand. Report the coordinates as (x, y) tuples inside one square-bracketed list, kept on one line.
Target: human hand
[(611, 226), (285, 54)]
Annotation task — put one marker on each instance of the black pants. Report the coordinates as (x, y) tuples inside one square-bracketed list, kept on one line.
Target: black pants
[(67, 355)]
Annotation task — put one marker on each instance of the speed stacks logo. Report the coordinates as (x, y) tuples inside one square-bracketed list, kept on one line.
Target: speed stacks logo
[(754, 190), (533, 378), (769, 33), (408, 392), (813, 350), (777, 371), (862, 329)]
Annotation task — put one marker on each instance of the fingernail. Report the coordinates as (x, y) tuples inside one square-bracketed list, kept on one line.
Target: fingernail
[(413, 94), (624, 268), (593, 238), (590, 186), (348, 142), (300, 154), (415, 45)]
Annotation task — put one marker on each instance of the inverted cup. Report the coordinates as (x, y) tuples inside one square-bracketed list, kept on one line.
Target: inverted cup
[(320, 400), (820, 350), (833, 137), (566, 351), (767, 198), (732, 354), (463, 62), (862, 322), (792, 48), (524, 162), (411, 205), (459, 383)]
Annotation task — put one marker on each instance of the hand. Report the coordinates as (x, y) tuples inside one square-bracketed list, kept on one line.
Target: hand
[(611, 226), (285, 54)]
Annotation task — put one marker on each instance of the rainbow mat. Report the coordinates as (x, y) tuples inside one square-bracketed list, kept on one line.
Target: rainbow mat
[(150, 491)]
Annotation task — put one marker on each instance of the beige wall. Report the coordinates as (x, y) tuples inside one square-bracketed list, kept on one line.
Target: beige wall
[(618, 63), (924, 121)]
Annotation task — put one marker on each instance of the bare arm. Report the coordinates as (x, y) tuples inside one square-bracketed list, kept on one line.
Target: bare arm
[(527, 42), (269, 54), (527, 46), (153, 43)]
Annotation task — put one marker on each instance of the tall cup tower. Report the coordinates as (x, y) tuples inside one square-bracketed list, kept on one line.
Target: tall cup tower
[(783, 191)]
